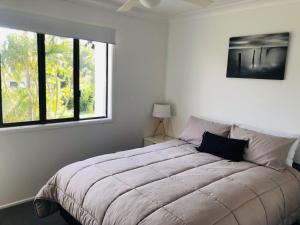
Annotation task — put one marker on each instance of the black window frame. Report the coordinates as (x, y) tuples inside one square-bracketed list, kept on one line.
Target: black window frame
[(42, 87)]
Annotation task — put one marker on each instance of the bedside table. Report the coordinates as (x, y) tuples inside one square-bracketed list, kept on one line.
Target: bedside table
[(156, 140)]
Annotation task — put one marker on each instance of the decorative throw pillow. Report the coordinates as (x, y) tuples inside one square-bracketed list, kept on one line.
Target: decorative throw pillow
[(231, 149), (196, 127), (267, 150)]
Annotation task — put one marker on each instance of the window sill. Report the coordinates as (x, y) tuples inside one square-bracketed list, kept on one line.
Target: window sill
[(53, 126)]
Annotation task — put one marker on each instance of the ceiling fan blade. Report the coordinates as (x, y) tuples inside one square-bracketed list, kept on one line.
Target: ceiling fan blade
[(202, 3), (128, 5)]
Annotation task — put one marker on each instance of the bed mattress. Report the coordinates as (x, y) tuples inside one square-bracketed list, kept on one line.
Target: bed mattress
[(171, 184)]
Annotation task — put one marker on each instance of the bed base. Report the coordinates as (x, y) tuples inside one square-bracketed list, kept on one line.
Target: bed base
[(67, 217)]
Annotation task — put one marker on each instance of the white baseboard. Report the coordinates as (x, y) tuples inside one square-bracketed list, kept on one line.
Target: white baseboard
[(16, 203)]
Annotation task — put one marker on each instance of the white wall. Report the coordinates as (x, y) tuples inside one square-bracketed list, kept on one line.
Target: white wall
[(197, 62), (28, 159)]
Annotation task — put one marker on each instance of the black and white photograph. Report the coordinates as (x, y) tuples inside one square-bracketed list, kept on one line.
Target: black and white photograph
[(258, 56)]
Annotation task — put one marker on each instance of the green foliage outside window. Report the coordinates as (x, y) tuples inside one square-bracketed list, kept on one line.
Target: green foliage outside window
[(19, 66), (19, 76)]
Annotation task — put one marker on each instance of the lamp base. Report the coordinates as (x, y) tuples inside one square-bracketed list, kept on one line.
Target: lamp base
[(162, 125)]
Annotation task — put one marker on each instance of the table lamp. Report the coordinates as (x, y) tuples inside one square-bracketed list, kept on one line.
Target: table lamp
[(161, 112)]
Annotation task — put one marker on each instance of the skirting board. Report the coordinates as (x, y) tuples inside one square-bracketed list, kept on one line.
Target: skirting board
[(16, 203)]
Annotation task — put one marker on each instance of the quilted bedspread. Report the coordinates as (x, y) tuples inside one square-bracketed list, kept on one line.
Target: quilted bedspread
[(171, 184)]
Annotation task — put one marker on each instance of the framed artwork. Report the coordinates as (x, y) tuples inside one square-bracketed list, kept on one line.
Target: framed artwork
[(258, 56)]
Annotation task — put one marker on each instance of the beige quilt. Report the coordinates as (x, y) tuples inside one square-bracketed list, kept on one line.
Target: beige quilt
[(171, 184)]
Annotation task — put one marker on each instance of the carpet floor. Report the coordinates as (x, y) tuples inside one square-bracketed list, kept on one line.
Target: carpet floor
[(24, 215)]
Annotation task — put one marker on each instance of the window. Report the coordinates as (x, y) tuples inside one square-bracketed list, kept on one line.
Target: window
[(19, 76), (93, 79), (59, 77), (47, 78)]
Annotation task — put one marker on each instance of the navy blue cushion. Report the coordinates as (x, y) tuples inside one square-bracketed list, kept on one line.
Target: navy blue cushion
[(227, 148)]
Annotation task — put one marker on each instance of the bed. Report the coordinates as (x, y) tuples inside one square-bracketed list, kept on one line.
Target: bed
[(171, 184)]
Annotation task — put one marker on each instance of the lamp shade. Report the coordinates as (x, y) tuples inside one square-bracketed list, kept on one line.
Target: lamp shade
[(161, 111)]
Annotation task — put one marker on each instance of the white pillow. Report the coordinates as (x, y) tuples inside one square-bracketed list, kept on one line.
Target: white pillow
[(294, 148)]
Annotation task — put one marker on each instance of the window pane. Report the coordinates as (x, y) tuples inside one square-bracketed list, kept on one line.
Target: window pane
[(59, 77), (19, 76), (92, 79)]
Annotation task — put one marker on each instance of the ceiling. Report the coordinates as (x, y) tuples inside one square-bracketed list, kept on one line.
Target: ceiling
[(172, 7)]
